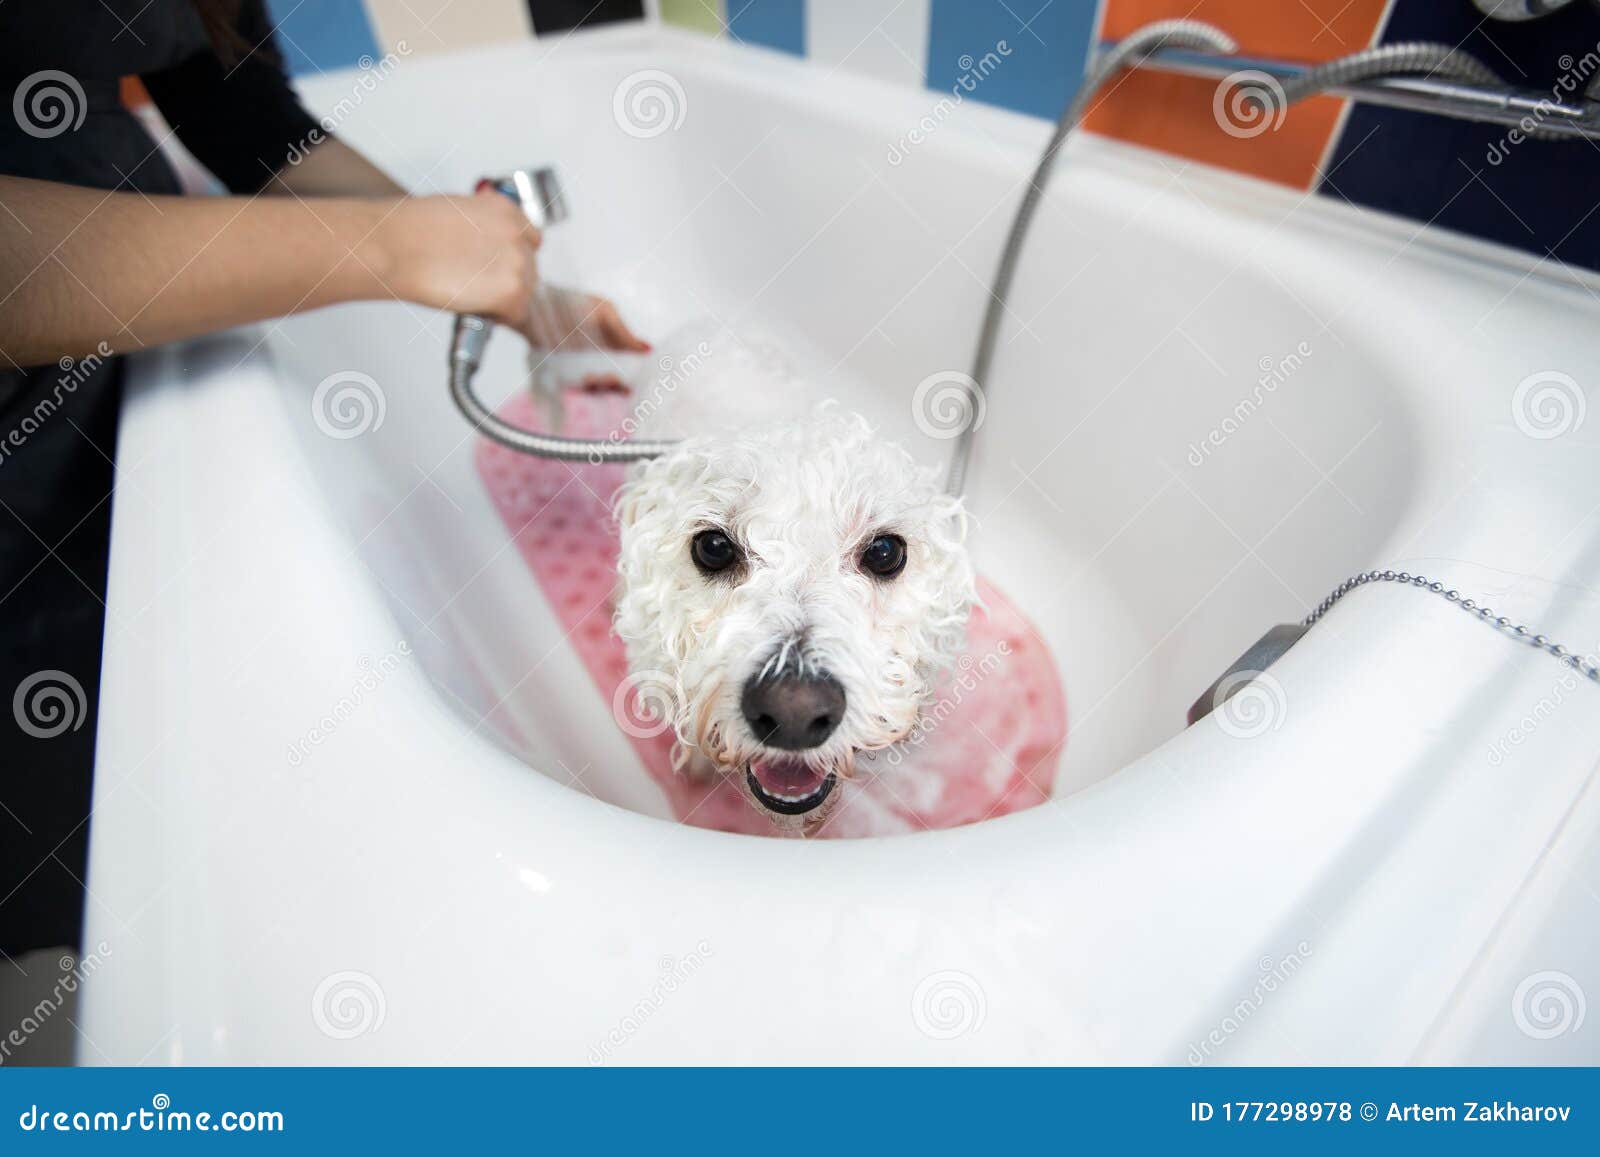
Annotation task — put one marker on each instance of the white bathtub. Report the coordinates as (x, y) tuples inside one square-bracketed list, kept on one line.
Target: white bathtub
[(465, 862)]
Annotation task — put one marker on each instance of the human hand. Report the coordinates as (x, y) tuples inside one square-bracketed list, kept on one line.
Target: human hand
[(566, 320), (474, 254), (479, 254)]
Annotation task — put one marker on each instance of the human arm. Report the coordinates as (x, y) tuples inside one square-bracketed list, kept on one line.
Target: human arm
[(79, 266)]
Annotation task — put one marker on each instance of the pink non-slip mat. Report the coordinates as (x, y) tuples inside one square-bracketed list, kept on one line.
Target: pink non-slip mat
[(986, 746)]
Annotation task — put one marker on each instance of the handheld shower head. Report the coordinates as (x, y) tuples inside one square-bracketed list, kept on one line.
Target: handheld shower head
[(538, 193)]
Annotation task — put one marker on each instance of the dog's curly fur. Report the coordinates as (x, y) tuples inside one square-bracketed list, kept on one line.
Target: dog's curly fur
[(801, 499)]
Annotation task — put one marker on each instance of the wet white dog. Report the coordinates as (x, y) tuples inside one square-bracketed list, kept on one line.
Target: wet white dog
[(794, 588)]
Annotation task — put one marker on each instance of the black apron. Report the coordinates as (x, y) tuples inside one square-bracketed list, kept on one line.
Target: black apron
[(61, 62)]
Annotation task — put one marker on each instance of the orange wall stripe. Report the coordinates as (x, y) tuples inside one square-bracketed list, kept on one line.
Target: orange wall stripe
[(1174, 113)]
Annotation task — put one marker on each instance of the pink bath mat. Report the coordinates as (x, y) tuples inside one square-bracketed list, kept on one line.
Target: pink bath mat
[(986, 746)]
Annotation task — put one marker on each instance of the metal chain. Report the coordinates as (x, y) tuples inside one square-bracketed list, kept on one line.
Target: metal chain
[(1580, 663)]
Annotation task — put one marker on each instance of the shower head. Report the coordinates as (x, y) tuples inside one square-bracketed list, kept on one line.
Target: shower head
[(536, 191)]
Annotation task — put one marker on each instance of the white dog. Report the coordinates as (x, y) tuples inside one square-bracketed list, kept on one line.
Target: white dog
[(796, 587)]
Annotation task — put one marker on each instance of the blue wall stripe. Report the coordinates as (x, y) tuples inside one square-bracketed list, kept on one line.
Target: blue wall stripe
[(1047, 40), (320, 35), (777, 24)]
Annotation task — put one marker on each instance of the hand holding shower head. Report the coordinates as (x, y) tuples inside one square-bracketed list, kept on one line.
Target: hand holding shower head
[(538, 193)]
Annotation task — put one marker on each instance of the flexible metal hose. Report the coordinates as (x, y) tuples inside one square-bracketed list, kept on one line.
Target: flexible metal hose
[(1435, 60), (466, 353), (1130, 52), (472, 332), (1193, 35)]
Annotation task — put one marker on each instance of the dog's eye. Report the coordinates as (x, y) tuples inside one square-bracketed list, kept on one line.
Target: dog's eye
[(713, 551), (885, 556)]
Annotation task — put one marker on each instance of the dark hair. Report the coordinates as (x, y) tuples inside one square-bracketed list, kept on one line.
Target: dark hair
[(221, 20)]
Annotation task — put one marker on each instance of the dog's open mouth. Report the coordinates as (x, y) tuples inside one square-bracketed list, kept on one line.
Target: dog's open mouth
[(789, 787)]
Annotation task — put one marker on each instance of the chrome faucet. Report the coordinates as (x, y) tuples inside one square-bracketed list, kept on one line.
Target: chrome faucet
[(1425, 78), (1519, 10)]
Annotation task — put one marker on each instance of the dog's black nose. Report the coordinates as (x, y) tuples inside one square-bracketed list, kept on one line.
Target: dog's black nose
[(793, 712)]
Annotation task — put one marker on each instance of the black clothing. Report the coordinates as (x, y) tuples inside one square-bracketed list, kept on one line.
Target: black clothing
[(61, 63)]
